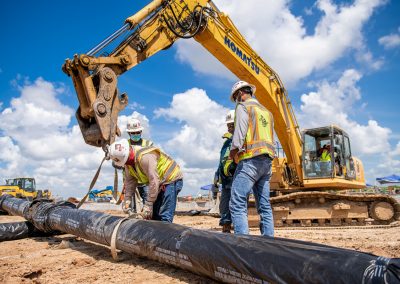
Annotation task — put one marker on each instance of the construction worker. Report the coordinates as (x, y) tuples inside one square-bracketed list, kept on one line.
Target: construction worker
[(325, 160), (149, 165), (224, 174), (134, 130), (253, 148)]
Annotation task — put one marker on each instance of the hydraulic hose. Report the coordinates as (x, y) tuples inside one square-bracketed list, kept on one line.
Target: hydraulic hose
[(223, 257)]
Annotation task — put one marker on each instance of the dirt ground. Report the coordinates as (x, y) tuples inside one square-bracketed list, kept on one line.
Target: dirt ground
[(67, 259)]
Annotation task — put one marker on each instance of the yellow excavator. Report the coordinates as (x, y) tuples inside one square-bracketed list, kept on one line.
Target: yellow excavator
[(23, 188), (304, 192)]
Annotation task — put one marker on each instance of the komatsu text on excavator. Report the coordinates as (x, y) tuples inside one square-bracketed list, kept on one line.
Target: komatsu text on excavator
[(306, 191)]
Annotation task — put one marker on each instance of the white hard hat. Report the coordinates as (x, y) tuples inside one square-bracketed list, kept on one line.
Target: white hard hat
[(134, 125), (230, 116), (239, 85), (119, 152)]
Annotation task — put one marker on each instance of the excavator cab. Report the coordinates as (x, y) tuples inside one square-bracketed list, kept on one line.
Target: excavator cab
[(327, 153)]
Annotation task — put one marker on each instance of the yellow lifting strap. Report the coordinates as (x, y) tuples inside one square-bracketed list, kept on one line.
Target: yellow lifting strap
[(115, 194)]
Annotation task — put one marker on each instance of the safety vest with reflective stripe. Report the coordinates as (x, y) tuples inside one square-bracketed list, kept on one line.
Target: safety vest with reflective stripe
[(225, 161), (145, 143), (259, 138), (167, 168), (136, 147), (325, 156)]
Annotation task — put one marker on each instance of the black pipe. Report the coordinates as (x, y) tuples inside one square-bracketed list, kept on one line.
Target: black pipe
[(223, 257), (16, 231)]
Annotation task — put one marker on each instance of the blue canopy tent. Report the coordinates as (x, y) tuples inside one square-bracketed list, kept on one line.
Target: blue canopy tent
[(389, 179), (209, 187)]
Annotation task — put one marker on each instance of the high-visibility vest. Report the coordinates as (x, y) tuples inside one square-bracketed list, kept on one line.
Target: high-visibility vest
[(325, 156), (145, 143), (167, 168), (259, 138), (225, 161), (137, 147)]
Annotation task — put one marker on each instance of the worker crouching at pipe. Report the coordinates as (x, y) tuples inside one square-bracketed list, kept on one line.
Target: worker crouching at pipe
[(149, 165)]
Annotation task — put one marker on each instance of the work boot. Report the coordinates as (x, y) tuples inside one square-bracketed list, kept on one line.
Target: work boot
[(226, 228)]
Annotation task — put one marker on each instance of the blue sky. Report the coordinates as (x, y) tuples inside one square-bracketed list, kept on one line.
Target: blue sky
[(338, 59)]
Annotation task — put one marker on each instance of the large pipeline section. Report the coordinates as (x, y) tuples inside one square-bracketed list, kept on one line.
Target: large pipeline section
[(223, 257)]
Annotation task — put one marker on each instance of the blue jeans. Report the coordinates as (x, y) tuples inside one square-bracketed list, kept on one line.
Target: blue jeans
[(165, 204), (224, 205), (252, 174)]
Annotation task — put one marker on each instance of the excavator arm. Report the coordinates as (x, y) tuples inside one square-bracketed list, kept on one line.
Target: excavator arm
[(154, 28)]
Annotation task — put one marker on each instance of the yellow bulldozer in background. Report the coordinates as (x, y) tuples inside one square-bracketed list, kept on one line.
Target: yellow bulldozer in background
[(23, 188)]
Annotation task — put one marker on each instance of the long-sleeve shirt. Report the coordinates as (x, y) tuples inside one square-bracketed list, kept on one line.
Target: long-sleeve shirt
[(241, 127), (148, 163)]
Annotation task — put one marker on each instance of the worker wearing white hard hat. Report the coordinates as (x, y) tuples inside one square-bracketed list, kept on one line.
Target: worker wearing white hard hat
[(224, 174), (134, 129), (253, 149), (239, 87), (149, 165)]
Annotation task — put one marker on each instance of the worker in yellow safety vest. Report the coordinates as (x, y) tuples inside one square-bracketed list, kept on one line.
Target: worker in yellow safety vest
[(325, 160), (134, 129), (150, 165), (224, 174), (253, 149)]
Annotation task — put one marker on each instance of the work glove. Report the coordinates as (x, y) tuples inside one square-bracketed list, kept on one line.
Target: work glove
[(126, 206), (147, 211)]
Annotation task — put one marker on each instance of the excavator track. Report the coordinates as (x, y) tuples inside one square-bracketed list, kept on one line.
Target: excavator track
[(316, 209), (366, 227)]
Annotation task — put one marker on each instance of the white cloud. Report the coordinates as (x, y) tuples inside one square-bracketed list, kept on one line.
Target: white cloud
[(197, 144), (197, 141), (134, 106), (367, 59), (390, 41), (36, 112), (396, 151), (203, 62), (281, 39)]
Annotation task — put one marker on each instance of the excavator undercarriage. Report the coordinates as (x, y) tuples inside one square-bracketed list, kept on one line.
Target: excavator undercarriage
[(314, 208)]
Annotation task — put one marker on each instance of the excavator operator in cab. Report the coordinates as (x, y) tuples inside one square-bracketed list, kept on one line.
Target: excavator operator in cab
[(325, 160)]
